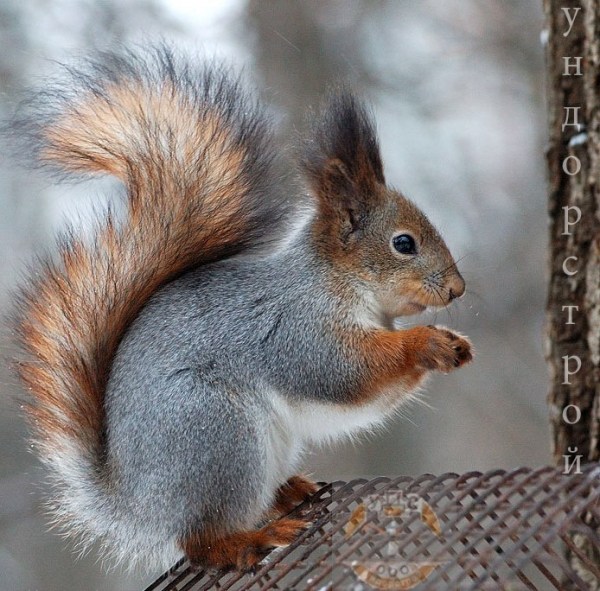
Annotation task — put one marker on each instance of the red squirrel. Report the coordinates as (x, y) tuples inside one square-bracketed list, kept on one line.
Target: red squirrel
[(180, 362)]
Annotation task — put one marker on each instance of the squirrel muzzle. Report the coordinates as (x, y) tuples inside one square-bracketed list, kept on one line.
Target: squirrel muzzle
[(455, 286)]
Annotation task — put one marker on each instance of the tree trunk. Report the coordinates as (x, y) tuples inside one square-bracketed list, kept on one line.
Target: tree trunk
[(578, 283), (573, 311)]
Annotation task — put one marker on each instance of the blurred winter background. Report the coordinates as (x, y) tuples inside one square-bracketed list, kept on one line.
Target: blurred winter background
[(457, 88)]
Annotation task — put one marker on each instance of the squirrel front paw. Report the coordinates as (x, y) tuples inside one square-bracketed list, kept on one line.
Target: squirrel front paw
[(445, 350)]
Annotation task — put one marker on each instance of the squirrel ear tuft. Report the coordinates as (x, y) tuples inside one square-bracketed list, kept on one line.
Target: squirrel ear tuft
[(341, 156)]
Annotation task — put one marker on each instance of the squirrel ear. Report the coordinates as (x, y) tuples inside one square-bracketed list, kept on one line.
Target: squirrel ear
[(341, 159)]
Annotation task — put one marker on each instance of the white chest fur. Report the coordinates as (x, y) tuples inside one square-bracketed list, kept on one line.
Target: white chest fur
[(296, 425)]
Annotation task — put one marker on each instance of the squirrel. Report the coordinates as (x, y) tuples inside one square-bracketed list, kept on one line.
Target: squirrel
[(180, 361)]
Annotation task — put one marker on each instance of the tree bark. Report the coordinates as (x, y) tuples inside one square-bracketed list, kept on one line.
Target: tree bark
[(578, 284), (582, 289)]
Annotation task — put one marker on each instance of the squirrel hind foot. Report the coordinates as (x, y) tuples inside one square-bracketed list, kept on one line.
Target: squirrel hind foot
[(243, 550), (295, 491)]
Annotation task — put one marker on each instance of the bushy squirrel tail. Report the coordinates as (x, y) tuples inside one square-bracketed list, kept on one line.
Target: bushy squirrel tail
[(195, 156)]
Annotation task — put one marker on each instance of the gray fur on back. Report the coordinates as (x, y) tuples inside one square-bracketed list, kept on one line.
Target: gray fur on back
[(188, 402)]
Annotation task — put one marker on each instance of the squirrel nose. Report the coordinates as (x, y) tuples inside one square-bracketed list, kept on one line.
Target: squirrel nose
[(456, 287)]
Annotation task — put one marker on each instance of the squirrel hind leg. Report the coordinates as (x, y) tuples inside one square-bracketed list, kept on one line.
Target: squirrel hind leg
[(291, 494), (241, 550)]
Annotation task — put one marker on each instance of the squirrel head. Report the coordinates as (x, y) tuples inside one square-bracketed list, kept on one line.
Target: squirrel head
[(369, 231)]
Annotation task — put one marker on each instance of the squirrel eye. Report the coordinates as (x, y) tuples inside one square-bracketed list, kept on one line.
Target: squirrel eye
[(405, 244)]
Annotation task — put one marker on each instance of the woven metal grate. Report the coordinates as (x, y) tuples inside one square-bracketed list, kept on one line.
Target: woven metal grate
[(524, 529)]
